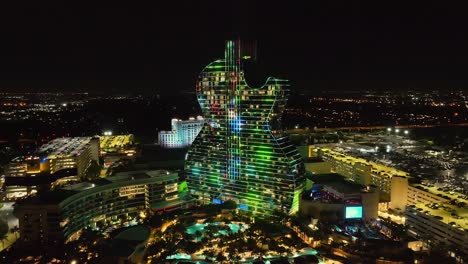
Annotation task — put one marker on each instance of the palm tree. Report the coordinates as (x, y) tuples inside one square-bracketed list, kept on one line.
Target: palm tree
[(231, 251), (220, 257), (3, 238), (15, 231), (197, 234), (209, 253)]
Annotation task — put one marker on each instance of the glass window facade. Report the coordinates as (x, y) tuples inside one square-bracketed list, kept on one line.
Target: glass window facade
[(85, 204), (241, 153)]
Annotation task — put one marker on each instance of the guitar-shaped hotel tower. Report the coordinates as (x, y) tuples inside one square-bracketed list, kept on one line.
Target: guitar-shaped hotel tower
[(241, 153)]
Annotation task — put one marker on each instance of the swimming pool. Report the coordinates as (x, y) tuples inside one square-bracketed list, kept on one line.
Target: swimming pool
[(234, 227)]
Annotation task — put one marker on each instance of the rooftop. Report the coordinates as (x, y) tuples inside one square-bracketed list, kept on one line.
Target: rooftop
[(191, 119), (51, 197), (165, 204), (118, 141), (60, 195), (197, 122), (451, 195), (79, 187), (66, 146), (143, 174), (21, 159), (123, 177), (448, 214), (376, 167), (337, 182)]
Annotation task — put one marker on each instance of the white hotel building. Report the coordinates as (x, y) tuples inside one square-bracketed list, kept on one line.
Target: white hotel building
[(183, 133)]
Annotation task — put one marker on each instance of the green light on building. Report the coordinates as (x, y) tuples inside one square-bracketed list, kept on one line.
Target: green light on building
[(241, 153)]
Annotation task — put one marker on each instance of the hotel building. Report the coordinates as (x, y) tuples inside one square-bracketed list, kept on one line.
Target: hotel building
[(431, 214), (182, 134), (331, 193), (434, 216), (59, 158), (67, 153), (241, 153), (440, 225), (358, 169), (60, 215)]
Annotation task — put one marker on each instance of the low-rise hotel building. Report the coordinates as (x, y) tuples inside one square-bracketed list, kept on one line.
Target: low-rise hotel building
[(358, 169), (59, 158), (440, 225), (432, 215), (437, 217), (59, 216)]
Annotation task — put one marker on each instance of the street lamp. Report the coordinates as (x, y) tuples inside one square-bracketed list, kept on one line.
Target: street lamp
[(389, 129), (397, 130), (406, 132)]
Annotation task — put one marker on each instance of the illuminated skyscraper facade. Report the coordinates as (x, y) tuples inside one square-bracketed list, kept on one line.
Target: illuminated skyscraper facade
[(241, 153)]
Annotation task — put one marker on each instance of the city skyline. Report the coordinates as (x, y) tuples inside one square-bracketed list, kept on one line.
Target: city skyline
[(338, 45), (234, 132)]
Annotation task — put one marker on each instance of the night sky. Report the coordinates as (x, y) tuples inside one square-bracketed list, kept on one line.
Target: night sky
[(321, 45)]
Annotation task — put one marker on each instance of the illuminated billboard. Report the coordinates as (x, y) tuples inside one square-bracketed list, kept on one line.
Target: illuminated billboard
[(353, 212)]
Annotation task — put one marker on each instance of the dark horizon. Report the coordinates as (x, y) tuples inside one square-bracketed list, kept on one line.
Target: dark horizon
[(321, 46)]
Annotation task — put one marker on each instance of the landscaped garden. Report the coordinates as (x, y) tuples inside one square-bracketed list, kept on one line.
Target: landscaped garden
[(218, 233)]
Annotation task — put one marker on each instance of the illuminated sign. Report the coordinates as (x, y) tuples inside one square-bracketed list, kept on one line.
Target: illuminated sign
[(353, 212)]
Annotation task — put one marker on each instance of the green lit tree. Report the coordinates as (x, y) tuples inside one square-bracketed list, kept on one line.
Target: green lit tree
[(198, 234), (15, 231), (4, 238), (3, 227), (3, 232)]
